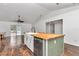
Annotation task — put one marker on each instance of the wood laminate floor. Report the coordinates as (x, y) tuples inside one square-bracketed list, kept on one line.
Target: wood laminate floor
[(71, 50), (7, 50)]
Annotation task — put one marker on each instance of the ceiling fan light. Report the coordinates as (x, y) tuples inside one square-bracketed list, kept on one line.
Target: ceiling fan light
[(57, 3), (19, 20)]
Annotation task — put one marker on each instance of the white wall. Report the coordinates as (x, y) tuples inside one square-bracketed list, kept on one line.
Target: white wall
[(5, 27), (70, 18)]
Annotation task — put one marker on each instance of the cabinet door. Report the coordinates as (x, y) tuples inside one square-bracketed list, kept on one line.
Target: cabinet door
[(31, 43), (25, 40), (28, 41), (38, 47), (55, 47)]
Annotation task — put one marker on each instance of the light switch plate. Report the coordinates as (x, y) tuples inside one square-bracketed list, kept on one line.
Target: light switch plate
[(54, 41)]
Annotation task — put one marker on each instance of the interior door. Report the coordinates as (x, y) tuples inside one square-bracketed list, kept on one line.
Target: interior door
[(52, 28), (55, 27), (58, 28), (47, 27)]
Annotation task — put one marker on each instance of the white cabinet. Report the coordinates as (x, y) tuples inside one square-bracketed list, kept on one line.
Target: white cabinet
[(28, 40)]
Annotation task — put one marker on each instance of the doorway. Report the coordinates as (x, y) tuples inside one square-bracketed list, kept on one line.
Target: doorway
[(55, 26)]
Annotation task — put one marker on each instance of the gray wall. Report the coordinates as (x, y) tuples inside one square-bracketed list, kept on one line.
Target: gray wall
[(70, 18)]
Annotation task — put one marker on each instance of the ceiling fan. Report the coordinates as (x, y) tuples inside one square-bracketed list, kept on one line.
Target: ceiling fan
[(19, 20)]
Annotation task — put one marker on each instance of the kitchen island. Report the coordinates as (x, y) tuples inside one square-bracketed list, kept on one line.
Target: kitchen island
[(48, 44)]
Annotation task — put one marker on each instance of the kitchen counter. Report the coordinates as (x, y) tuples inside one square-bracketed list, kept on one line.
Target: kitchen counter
[(46, 36), (44, 44), (48, 44)]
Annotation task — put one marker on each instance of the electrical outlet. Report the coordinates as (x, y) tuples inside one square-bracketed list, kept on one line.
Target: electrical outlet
[(54, 41)]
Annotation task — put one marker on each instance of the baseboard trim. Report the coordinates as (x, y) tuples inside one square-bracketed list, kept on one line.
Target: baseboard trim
[(72, 44)]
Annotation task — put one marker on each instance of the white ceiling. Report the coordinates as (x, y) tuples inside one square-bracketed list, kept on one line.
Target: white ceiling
[(30, 12), (54, 6)]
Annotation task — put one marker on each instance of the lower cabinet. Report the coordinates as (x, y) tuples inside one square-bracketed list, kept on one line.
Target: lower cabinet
[(41, 47), (31, 43), (28, 40), (38, 47), (51, 47), (55, 47)]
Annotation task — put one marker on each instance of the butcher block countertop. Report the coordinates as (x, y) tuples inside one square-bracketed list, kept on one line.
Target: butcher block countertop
[(46, 36)]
